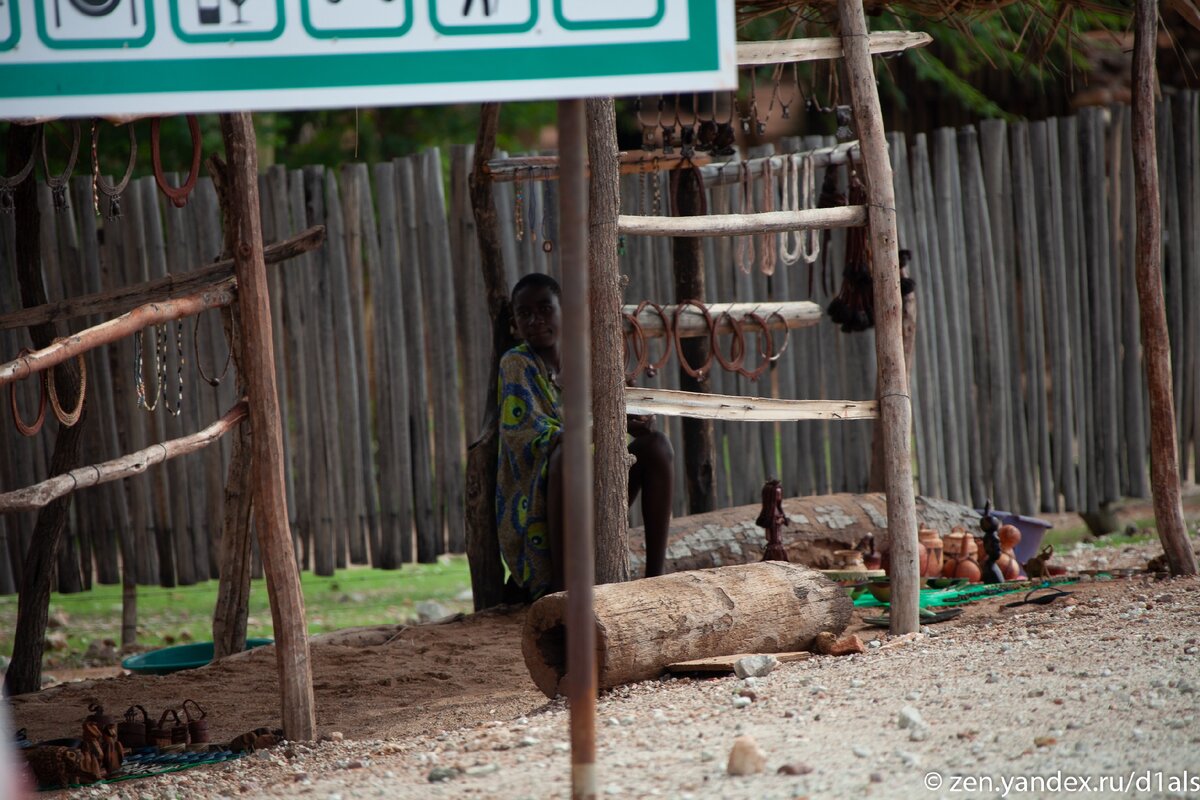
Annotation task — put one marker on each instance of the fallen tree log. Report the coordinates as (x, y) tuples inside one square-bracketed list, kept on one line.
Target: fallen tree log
[(820, 524), (644, 625)]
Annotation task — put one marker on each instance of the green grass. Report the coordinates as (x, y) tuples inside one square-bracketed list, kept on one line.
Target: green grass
[(350, 598)]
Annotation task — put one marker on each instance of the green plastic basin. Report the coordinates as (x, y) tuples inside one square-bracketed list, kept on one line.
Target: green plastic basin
[(183, 656)]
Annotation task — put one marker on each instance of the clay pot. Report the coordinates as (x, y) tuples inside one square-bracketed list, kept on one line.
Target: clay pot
[(931, 564), (851, 560), (1010, 537)]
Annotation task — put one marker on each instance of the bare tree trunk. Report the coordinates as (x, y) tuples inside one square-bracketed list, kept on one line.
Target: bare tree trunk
[(611, 456), (33, 603), (699, 446), (483, 548), (1156, 349)]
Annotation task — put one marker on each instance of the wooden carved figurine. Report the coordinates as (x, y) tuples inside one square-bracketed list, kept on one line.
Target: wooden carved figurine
[(771, 519), (991, 546), (1036, 566)]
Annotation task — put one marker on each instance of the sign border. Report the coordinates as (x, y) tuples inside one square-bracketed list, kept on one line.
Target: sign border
[(593, 25), (227, 36), (356, 33), (39, 13)]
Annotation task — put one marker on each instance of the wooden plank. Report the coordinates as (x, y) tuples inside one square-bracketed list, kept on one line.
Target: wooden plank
[(391, 360), (414, 319), (1132, 375), (1183, 349), (1190, 188), (44, 492), (723, 664), (353, 220), (474, 333), (1033, 299), (744, 223), (446, 398), (346, 357), (1172, 258), (309, 455), (786, 51)]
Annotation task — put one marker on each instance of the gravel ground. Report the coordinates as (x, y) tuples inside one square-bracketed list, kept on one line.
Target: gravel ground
[(1102, 683)]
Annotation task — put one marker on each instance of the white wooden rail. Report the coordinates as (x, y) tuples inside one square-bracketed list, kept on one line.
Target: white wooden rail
[(673, 403), (742, 224), (787, 51)]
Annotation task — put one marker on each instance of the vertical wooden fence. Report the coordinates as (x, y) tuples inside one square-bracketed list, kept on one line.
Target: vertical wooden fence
[(1027, 380)]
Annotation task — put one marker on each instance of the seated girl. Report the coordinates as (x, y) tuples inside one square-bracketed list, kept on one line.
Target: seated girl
[(529, 495)]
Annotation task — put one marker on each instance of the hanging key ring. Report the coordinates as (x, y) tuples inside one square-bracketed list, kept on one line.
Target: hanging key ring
[(58, 183), (22, 428), (108, 188), (178, 197), (8, 184), (652, 368), (701, 372)]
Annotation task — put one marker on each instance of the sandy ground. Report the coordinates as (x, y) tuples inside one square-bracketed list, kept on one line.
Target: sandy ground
[(1101, 683)]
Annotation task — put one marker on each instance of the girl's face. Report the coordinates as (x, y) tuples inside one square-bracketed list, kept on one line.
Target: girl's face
[(538, 316)]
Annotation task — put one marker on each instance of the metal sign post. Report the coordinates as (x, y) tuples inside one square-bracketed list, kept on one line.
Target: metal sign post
[(128, 57)]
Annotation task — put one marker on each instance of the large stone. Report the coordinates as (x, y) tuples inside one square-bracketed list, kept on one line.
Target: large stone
[(755, 666)]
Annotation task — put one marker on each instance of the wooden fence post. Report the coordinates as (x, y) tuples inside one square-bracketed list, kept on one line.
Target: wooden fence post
[(270, 502)]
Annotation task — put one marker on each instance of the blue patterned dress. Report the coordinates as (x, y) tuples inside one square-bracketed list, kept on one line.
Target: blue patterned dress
[(530, 424)]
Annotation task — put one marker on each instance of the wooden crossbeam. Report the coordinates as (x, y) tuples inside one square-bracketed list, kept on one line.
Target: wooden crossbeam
[(127, 297), (673, 403), (794, 314), (742, 224), (787, 51), (728, 173), (79, 343), (41, 494)]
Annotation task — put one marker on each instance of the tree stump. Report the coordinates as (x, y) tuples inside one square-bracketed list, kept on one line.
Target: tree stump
[(644, 625)]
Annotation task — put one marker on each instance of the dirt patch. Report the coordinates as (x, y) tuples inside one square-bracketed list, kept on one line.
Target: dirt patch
[(423, 677)]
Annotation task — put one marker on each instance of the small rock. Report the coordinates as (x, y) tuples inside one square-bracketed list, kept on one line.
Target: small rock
[(991, 678), (442, 774), (527, 741), (741, 702), (58, 619), (1138, 734), (481, 769), (755, 666), (431, 611), (1044, 741), (913, 696), (861, 752), (908, 759), (909, 717), (876, 777), (745, 758), (874, 644), (336, 736), (830, 645), (794, 769), (1191, 650)]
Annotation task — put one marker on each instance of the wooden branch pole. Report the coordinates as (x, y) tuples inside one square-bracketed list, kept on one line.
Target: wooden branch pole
[(891, 377), (701, 405), (270, 501), (77, 344), (742, 224), (789, 51), (644, 625), (778, 316), (1156, 347), (729, 173), (579, 513), (127, 297), (41, 494)]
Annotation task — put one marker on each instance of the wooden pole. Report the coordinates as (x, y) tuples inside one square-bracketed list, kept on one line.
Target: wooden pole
[(608, 398), (892, 380), (577, 442), (483, 548), (270, 502), (44, 492), (740, 224), (699, 436), (1156, 350)]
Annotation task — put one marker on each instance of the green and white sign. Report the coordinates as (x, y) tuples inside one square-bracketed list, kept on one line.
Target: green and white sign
[(111, 57)]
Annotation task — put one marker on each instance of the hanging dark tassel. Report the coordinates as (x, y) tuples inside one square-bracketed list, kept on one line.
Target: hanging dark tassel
[(830, 198)]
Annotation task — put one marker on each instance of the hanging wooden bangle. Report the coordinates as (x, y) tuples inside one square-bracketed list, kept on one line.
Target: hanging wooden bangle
[(104, 185), (72, 417), (764, 338), (637, 337), (179, 197), (787, 336), (58, 183), (652, 368), (22, 428), (737, 352), (9, 184), (199, 366), (701, 372)]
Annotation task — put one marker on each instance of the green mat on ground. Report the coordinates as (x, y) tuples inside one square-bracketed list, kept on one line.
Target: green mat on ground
[(972, 593)]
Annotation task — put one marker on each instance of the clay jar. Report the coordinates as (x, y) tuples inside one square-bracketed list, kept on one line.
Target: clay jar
[(931, 560), (960, 561), (850, 560), (1009, 535)]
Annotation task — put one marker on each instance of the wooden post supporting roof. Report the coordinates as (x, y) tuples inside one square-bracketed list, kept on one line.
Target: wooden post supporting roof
[(1156, 348), (895, 404), (270, 501)]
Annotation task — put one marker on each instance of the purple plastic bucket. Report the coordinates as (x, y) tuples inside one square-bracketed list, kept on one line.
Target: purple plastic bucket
[(1032, 530)]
